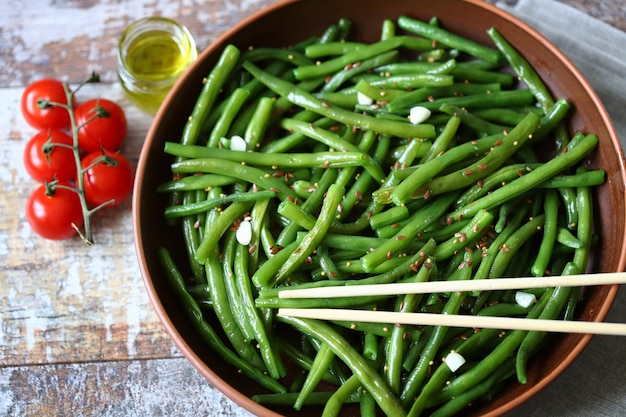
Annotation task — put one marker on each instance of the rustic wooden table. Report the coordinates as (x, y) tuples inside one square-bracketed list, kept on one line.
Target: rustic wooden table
[(78, 335)]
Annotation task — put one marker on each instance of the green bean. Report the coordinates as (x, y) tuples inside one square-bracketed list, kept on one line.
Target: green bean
[(224, 313), (468, 234), (341, 77), (395, 68), (192, 240), (258, 123), (465, 176), (365, 374), (483, 76), (495, 358), (418, 374), (449, 39), (345, 391), (202, 206), (584, 207), (513, 244), (305, 100), (530, 78), (507, 116), (566, 238), (419, 221), (217, 229), (395, 344), (526, 182), (409, 81), (434, 166), (243, 172), (273, 362), (582, 179), (231, 108), (286, 55), (550, 227), (481, 126), (499, 178), (207, 158), (320, 364), (334, 65), (315, 235), (531, 343), (460, 402), (321, 50), (232, 293), (195, 182), (312, 204), (210, 90), (505, 98), (443, 142), (402, 104), (207, 333)]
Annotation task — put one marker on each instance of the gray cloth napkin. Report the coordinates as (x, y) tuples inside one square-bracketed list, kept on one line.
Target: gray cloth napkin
[(595, 385)]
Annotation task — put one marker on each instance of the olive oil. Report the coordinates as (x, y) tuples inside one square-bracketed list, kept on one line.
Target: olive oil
[(152, 54)]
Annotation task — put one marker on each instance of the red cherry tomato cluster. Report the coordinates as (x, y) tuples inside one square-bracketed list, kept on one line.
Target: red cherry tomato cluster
[(63, 202)]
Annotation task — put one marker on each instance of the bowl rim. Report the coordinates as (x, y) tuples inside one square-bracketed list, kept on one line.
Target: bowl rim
[(246, 402)]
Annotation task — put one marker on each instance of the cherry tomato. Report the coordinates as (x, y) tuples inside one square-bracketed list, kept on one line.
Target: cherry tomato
[(104, 125), (110, 179), (52, 216), (44, 161), (48, 118)]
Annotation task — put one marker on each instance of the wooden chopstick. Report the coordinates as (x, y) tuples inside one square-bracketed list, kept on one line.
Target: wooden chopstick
[(451, 320), (450, 286)]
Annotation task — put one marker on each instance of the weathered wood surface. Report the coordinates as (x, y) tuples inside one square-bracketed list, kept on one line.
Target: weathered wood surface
[(78, 335)]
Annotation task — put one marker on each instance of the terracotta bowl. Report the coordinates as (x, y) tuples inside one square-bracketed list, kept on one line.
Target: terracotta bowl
[(291, 21)]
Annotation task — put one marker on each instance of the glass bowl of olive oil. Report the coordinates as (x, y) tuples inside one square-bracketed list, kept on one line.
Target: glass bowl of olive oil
[(152, 54)]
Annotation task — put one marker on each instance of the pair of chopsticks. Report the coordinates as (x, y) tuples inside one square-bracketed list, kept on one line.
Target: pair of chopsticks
[(430, 319)]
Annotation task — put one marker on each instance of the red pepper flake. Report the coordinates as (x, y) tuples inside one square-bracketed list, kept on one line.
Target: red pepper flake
[(476, 228), (278, 174), (389, 255), (197, 224), (482, 167), (332, 274), (325, 104), (480, 183), (347, 67), (498, 142), (328, 78), (400, 237), (274, 190), (358, 194), (505, 132), (326, 164), (251, 249), (468, 172), (426, 194), (431, 98), (449, 221), (520, 172), (564, 150)]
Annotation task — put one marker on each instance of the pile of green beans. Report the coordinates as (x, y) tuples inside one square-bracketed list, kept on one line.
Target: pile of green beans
[(339, 191)]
